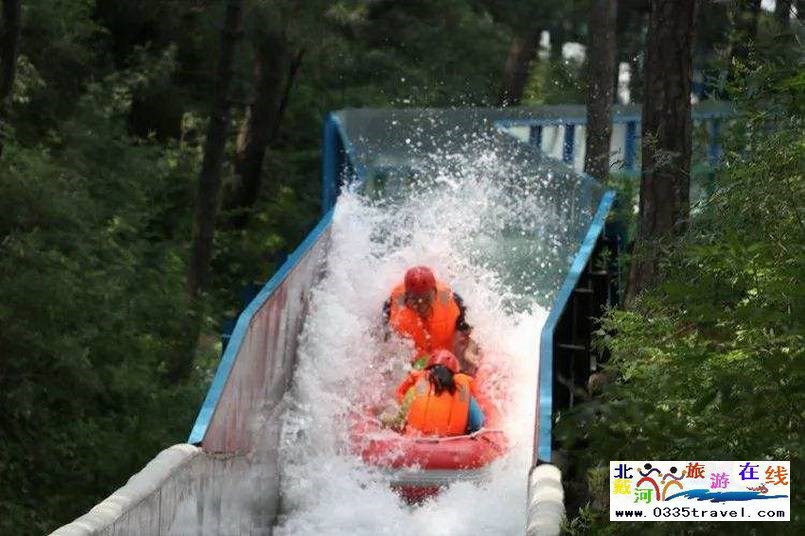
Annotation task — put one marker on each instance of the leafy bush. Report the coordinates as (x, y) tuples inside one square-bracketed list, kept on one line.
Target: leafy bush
[(709, 365), (91, 298)]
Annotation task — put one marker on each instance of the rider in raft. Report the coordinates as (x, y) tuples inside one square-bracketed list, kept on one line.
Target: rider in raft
[(439, 400), (427, 311)]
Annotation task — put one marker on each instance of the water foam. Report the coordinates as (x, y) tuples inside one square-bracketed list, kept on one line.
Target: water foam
[(451, 224)]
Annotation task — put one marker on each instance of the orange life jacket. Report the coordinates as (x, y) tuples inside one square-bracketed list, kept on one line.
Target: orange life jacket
[(441, 415), (431, 333)]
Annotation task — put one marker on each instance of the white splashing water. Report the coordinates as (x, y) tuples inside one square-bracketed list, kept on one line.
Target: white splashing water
[(451, 225)]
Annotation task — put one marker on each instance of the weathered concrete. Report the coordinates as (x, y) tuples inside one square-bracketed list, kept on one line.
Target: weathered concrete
[(546, 501), (265, 356), (181, 491), (185, 490)]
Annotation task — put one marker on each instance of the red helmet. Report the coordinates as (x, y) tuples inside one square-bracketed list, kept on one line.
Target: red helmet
[(445, 358), (419, 280)]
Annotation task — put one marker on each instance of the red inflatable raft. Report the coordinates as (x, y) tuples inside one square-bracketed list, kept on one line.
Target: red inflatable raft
[(420, 465)]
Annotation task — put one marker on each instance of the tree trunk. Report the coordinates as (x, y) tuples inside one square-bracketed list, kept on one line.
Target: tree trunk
[(631, 22), (616, 70), (557, 36), (782, 12), (9, 50), (666, 132), (293, 69), (209, 185), (271, 69), (635, 79), (638, 65), (600, 86), (522, 51)]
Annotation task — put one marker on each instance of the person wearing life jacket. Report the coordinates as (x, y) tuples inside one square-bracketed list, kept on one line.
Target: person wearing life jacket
[(427, 311), (439, 400)]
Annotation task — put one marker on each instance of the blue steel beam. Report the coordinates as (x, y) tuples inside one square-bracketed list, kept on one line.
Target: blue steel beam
[(329, 163), (567, 146), (535, 136), (630, 146)]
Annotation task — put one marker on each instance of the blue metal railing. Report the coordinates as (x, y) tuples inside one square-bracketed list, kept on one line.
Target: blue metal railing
[(570, 117)]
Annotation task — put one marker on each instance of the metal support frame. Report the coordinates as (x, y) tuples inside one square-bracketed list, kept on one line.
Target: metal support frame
[(574, 357), (712, 112), (568, 316)]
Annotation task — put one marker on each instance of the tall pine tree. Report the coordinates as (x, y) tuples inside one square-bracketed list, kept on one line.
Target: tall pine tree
[(601, 59), (666, 136)]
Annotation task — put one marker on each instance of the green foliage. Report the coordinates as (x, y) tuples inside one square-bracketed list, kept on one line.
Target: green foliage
[(388, 53), (709, 364), (88, 309), (560, 81), (91, 295)]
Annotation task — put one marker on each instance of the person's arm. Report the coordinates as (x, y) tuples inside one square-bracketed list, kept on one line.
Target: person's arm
[(464, 346), (406, 384), (473, 388), (405, 395), (461, 321)]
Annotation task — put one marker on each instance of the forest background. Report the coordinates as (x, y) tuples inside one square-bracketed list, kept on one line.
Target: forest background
[(110, 313)]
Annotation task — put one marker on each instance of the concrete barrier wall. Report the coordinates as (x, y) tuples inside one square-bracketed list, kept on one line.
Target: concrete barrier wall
[(546, 501), (142, 492), (256, 368), (183, 490)]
